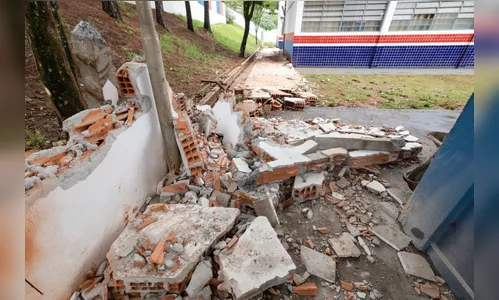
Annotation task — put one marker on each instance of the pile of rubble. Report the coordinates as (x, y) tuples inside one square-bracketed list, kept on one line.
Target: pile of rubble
[(259, 102), (213, 233), (88, 131)]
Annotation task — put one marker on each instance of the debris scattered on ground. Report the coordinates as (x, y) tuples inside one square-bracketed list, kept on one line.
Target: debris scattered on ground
[(416, 265), (216, 230)]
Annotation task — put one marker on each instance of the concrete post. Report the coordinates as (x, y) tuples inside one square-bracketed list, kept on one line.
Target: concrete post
[(160, 87), (387, 20)]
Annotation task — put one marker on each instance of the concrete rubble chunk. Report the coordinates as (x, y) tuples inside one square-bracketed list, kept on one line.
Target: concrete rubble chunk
[(411, 138), (375, 187), (201, 276), (256, 262), (352, 229), (222, 198), (241, 165), (355, 141), (266, 208), (198, 227), (342, 183), (416, 265), (344, 246), (318, 264), (391, 235)]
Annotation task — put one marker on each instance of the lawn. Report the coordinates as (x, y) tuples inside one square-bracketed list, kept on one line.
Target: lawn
[(393, 91), (231, 35)]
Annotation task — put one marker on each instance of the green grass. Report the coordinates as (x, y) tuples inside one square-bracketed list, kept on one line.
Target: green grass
[(171, 43), (394, 91), (231, 35), (269, 44), (33, 140)]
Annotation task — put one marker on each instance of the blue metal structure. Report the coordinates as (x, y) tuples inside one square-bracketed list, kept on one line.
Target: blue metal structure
[(440, 219)]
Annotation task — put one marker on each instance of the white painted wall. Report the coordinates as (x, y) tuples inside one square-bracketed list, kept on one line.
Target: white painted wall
[(69, 231), (268, 36), (197, 10)]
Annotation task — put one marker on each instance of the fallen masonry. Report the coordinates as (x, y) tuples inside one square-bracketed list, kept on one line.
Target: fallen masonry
[(211, 234), (257, 262)]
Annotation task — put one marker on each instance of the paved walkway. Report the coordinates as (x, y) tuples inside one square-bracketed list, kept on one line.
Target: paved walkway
[(374, 71)]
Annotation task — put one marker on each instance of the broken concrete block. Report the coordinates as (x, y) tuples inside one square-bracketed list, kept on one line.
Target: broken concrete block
[(222, 198), (300, 279), (318, 264), (256, 262), (392, 236), (97, 290), (344, 246), (201, 276), (241, 165), (397, 195), (364, 246), (198, 227), (342, 183), (354, 141), (411, 138), (307, 186), (266, 208), (388, 208), (352, 229), (290, 103), (376, 187), (416, 265)]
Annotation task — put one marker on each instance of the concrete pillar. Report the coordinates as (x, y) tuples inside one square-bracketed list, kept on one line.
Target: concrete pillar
[(300, 5), (387, 20)]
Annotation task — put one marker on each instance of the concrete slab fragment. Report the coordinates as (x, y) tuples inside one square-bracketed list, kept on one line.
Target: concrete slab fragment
[(241, 165), (376, 187), (318, 264), (344, 246), (416, 265), (256, 262), (391, 235), (266, 208), (354, 141), (201, 276), (199, 227)]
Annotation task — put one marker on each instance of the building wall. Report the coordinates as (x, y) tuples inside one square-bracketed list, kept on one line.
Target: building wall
[(71, 224), (265, 36), (217, 10), (383, 46), (292, 24)]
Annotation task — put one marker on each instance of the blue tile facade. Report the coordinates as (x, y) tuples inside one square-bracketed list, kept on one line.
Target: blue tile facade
[(279, 44), (468, 59), (383, 56)]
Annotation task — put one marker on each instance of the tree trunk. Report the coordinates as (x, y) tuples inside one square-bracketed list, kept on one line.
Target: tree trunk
[(248, 8), (67, 46), (159, 14), (112, 9), (207, 16), (51, 57), (245, 37), (160, 87), (189, 16), (256, 35)]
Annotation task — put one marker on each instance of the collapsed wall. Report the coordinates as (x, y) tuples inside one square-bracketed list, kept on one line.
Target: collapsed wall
[(80, 195)]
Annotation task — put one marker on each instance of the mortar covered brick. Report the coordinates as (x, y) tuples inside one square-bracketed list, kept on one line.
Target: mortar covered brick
[(354, 141), (363, 158), (199, 227)]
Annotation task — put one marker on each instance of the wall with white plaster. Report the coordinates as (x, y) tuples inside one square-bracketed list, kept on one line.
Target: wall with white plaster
[(268, 36), (68, 231)]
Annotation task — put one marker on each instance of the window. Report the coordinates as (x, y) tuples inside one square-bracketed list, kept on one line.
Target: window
[(334, 16), (433, 15)]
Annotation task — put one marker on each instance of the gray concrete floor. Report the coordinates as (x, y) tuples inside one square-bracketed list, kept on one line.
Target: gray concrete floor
[(385, 71)]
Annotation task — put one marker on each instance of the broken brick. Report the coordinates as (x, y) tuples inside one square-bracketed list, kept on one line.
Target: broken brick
[(310, 244), (323, 230), (346, 285), (130, 114), (158, 256), (306, 289), (146, 222), (177, 188)]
